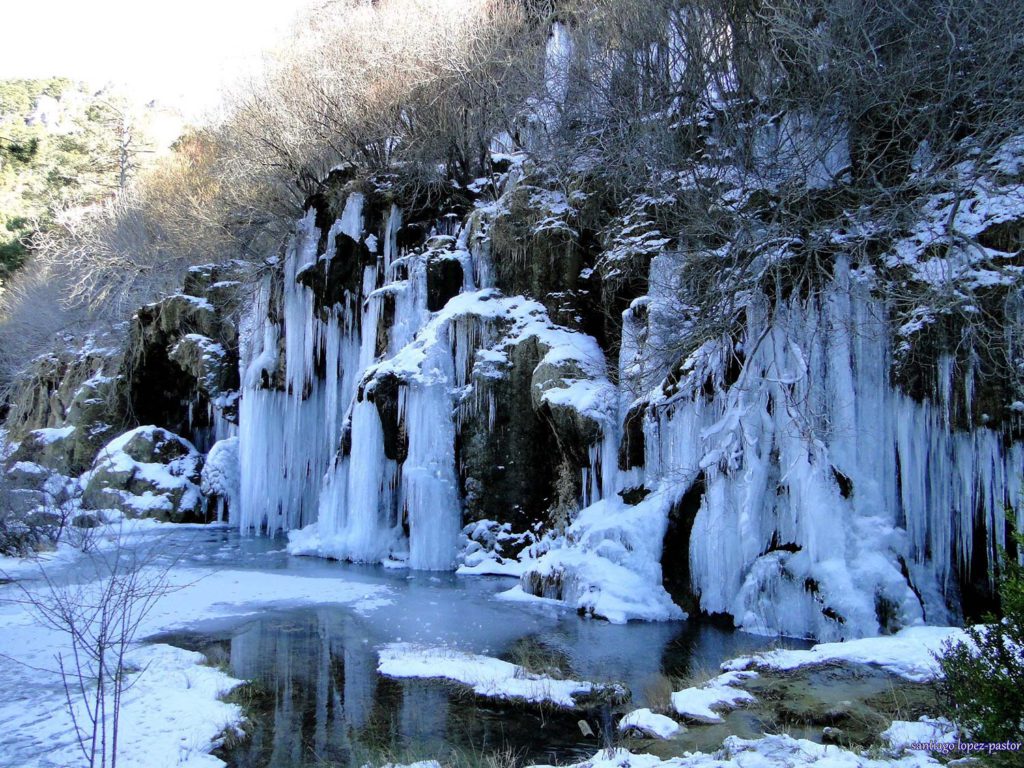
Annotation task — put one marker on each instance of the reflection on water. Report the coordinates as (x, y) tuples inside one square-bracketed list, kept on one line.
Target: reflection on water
[(317, 699)]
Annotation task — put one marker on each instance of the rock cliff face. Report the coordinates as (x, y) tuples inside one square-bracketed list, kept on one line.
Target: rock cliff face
[(173, 370), (523, 364), (406, 374)]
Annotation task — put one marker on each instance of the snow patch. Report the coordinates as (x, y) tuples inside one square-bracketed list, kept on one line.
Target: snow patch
[(649, 723), (720, 693), (487, 676), (910, 653)]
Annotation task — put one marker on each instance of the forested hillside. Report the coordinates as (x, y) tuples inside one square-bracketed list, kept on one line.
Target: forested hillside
[(62, 147)]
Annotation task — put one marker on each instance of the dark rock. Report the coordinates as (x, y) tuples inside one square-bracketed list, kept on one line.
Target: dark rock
[(675, 549), (634, 495), (508, 466), (340, 278), (444, 281), (86, 521), (384, 323), (844, 482), (410, 236), (185, 355), (632, 447), (383, 392)]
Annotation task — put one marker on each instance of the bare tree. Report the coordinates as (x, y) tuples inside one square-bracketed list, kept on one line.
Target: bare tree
[(99, 608)]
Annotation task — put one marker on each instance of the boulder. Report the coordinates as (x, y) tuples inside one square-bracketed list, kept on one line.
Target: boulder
[(49, 447), (147, 472)]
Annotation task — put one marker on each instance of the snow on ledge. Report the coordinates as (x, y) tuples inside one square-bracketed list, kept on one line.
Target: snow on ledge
[(910, 653), (487, 676)]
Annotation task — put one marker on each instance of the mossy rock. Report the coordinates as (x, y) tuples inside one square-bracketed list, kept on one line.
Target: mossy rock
[(206, 361), (148, 472), (384, 392), (338, 279), (508, 464), (48, 447), (77, 390), (444, 280), (574, 431)]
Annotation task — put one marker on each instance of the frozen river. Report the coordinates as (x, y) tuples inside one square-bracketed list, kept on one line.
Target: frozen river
[(308, 633)]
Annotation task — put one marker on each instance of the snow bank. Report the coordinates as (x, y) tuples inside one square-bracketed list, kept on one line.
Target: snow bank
[(910, 653), (487, 676), (902, 733), (171, 713), (697, 703)]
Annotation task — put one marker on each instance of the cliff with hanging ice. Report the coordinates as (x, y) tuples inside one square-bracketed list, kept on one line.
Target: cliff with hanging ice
[(408, 372), (482, 381), (790, 412)]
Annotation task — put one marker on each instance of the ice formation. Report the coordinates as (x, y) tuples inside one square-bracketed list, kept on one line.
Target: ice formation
[(801, 491)]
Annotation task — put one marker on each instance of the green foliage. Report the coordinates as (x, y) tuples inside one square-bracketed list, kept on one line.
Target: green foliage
[(984, 679), (18, 97), (44, 169)]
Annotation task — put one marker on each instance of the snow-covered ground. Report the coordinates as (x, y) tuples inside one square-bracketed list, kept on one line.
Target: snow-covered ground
[(768, 752), (171, 714)]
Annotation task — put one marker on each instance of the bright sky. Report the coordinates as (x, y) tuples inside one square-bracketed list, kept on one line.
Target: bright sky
[(177, 51)]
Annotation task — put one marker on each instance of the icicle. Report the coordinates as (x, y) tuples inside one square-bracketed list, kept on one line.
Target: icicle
[(557, 59), (288, 437), (394, 223), (429, 484)]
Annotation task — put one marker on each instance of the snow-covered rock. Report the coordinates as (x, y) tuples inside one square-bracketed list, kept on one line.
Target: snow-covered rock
[(487, 676), (221, 476), (147, 472), (648, 723), (910, 653), (608, 564), (701, 702)]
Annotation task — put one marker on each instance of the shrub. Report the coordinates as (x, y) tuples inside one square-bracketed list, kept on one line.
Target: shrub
[(984, 678)]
